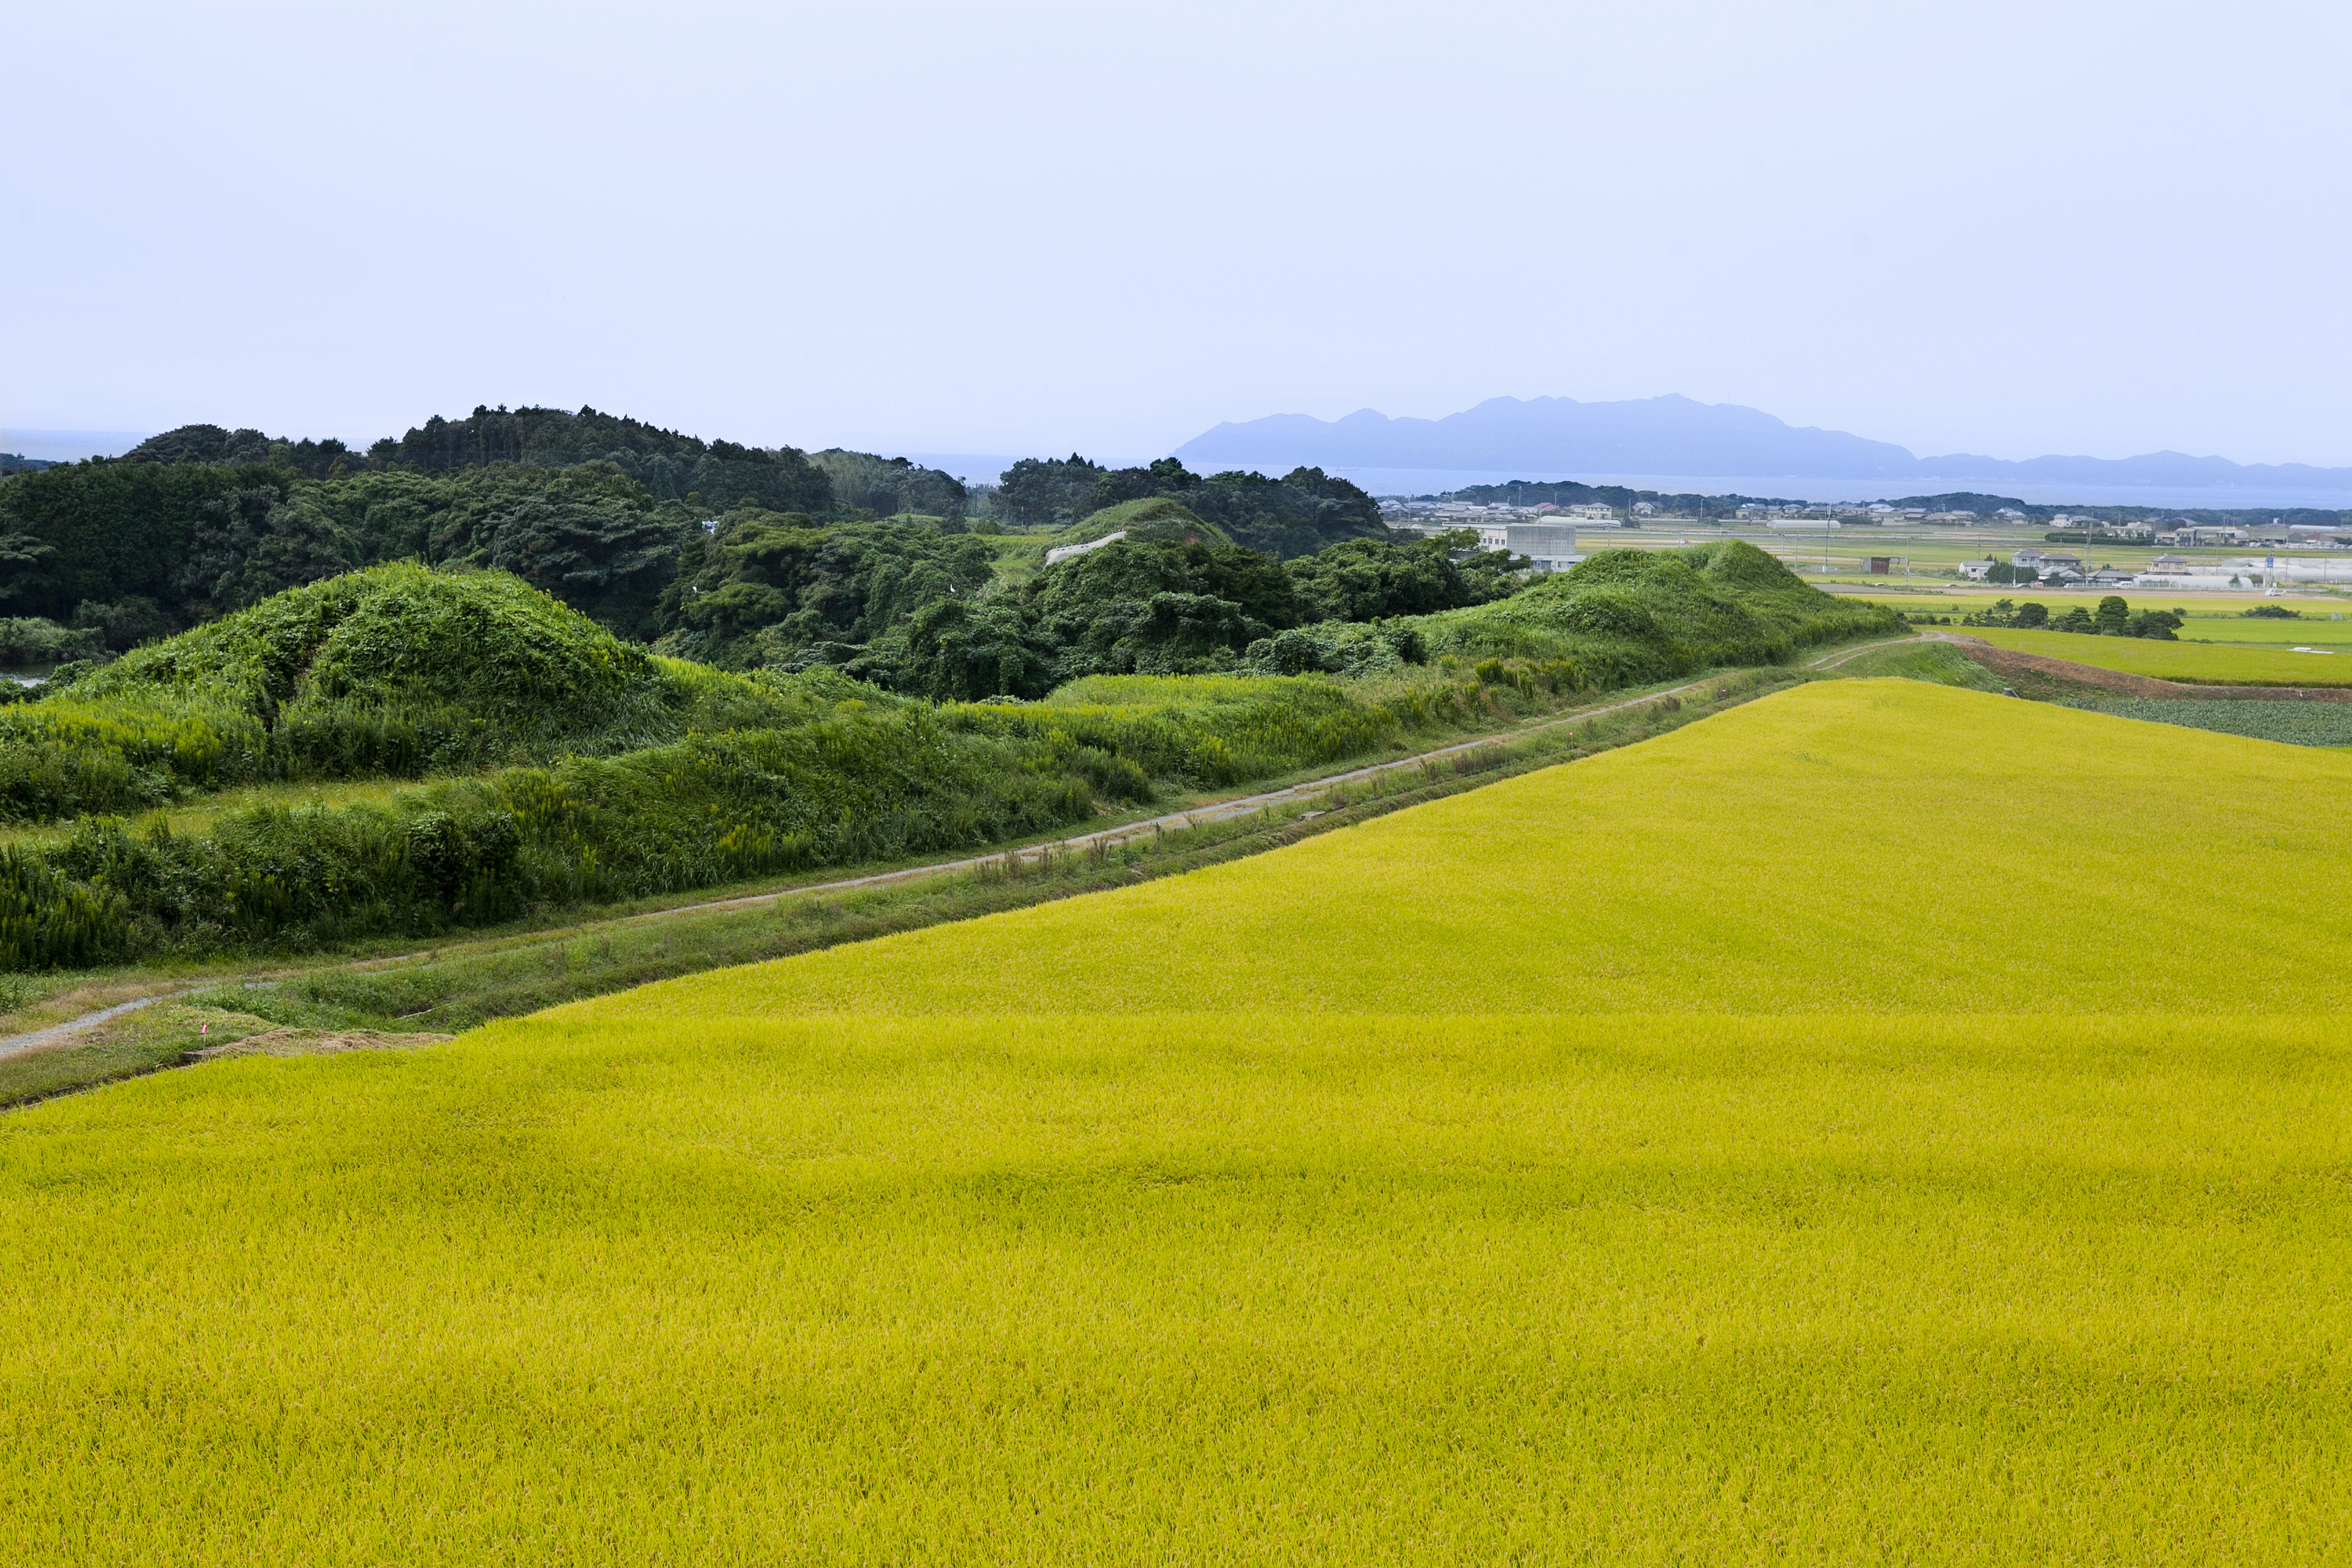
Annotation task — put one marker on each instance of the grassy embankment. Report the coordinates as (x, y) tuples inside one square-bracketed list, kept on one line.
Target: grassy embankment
[(1617, 1162), (577, 771)]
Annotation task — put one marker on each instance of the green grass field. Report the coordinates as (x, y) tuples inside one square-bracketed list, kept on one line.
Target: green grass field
[(1622, 1162), (199, 814), (2315, 627), (2208, 663)]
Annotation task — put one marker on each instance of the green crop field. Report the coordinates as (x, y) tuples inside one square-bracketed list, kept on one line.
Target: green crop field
[(2293, 723), (2209, 664), (1622, 1162)]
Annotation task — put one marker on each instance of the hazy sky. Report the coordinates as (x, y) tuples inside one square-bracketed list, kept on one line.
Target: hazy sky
[(2008, 228)]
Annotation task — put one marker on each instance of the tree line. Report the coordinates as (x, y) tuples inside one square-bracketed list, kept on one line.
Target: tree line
[(650, 532), (2114, 617)]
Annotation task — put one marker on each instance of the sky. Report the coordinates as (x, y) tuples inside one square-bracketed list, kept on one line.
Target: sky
[(1992, 227)]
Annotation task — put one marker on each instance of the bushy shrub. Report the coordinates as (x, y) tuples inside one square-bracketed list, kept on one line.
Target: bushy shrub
[(1339, 648), (1203, 730), (50, 922), (30, 640)]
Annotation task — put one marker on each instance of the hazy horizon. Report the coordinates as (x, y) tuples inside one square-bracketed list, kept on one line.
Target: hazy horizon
[(2005, 229)]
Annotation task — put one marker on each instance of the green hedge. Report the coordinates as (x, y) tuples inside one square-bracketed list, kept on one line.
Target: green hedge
[(855, 786)]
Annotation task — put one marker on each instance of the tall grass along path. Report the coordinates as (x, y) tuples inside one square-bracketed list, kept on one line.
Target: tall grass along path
[(1103, 839)]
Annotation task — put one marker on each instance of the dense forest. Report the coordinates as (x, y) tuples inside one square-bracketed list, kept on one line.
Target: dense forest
[(915, 609), (739, 554)]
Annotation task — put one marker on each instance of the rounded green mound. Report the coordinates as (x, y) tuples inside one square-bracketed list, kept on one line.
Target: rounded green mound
[(486, 642), (1154, 518)]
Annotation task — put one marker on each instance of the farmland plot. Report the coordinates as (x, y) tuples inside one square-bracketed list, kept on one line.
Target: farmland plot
[(1616, 1164)]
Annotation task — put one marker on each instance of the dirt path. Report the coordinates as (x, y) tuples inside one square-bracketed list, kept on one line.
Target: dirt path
[(1105, 838), (59, 1033)]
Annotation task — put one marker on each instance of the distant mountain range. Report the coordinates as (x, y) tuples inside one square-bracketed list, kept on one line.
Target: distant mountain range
[(1674, 436)]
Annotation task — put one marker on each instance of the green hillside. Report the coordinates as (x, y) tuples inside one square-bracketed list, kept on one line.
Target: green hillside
[(560, 765)]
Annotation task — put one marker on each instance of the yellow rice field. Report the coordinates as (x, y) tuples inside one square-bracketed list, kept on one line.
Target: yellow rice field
[(1621, 1163)]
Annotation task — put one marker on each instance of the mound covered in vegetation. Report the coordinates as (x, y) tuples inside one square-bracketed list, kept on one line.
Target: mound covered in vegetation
[(1628, 614), (396, 671), (1622, 617)]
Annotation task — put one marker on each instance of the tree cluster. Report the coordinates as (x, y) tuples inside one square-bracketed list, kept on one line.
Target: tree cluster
[(140, 549), (889, 486), (1169, 606), (768, 588), (713, 474), (2113, 618), (203, 520), (740, 556), (1296, 515)]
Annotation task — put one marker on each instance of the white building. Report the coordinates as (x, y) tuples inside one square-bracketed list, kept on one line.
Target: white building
[(1551, 546), (2247, 571)]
